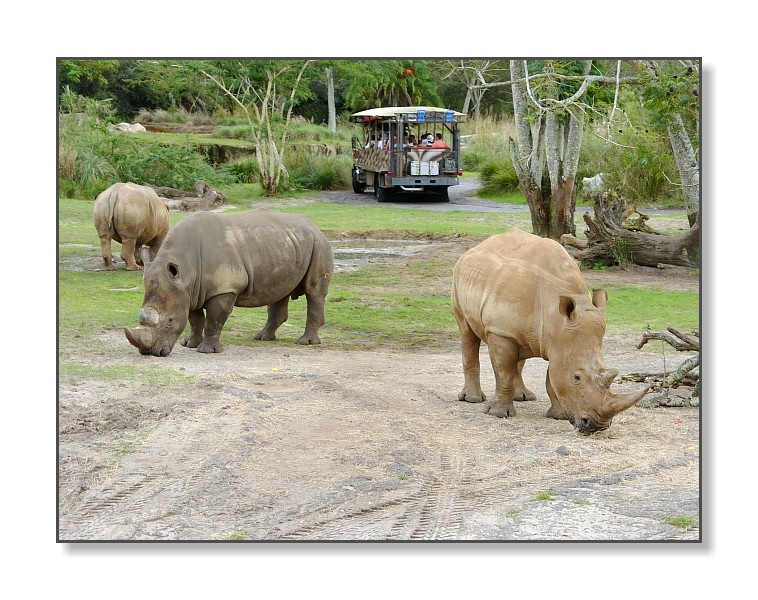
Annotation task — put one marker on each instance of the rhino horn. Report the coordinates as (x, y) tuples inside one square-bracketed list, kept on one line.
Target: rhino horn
[(145, 256), (140, 337), (149, 316), (606, 377), (616, 403)]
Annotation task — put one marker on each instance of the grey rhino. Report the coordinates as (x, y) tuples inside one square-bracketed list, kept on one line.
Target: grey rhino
[(525, 297), (134, 216), (212, 262)]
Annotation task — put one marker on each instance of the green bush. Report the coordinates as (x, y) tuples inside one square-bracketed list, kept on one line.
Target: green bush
[(243, 171), (499, 177)]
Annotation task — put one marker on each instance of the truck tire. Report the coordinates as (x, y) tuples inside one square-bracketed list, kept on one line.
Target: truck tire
[(444, 196)]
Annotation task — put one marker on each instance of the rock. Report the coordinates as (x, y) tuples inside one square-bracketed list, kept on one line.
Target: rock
[(562, 450)]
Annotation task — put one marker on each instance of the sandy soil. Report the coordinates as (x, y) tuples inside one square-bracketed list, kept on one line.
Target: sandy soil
[(282, 442)]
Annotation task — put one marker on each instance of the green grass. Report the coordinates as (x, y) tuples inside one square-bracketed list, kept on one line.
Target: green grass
[(404, 305), (631, 307), (682, 522), (546, 495), (145, 376)]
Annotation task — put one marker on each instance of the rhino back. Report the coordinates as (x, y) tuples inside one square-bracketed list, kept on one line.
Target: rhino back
[(258, 255), (509, 285), (131, 211)]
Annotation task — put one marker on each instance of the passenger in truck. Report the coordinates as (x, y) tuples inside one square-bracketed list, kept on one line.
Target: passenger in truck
[(440, 143)]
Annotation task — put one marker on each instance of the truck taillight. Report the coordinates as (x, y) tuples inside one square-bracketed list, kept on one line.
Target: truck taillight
[(389, 173), (460, 173), (356, 154)]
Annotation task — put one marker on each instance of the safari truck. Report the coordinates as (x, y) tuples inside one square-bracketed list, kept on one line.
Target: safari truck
[(407, 149)]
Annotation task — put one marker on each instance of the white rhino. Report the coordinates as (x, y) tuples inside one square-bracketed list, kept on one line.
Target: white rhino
[(134, 216), (525, 297), (213, 262)]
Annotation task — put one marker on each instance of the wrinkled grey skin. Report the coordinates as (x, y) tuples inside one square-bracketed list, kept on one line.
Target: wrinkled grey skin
[(134, 216), (211, 262), (525, 297)]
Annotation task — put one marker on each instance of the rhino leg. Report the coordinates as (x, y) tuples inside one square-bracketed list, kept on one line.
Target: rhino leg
[(521, 392), (314, 320), (504, 356), (197, 323), (105, 249), (470, 344), (128, 250), (217, 311), (277, 314), (316, 286)]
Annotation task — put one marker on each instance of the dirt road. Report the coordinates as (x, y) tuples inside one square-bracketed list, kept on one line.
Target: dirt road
[(282, 442)]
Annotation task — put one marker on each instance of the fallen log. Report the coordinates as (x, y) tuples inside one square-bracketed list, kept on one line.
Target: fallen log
[(614, 238), (206, 198)]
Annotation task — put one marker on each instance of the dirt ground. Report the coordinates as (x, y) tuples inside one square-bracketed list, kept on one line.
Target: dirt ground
[(282, 442)]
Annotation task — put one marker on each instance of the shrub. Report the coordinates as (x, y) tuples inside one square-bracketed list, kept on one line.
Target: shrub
[(499, 177), (243, 171), (311, 171)]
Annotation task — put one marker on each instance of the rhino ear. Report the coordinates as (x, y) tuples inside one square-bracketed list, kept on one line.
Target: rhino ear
[(567, 307), (599, 298)]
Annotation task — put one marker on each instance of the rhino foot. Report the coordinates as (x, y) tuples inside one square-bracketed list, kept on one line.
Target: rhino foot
[(308, 341), (498, 409), (192, 342), (209, 347), (525, 396), (475, 398), (264, 336)]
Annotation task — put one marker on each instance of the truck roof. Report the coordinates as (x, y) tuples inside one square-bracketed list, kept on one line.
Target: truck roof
[(391, 111)]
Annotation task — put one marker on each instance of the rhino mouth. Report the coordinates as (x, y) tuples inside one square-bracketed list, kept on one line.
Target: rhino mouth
[(143, 338), (588, 425)]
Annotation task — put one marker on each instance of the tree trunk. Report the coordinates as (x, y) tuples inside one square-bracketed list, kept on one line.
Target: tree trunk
[(686, 162), (554, 145), (330, 100)]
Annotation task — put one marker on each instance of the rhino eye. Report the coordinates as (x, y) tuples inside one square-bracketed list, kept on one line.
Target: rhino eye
[(577, 377), (173, 270)]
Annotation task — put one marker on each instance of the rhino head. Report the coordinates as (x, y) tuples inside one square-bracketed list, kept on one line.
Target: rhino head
[(578, 381), (165, 308)]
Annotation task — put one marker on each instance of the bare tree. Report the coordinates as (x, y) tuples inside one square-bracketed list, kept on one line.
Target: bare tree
[(259, 99)]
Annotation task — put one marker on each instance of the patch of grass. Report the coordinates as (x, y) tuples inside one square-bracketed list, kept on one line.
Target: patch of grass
[(238, 535), (682, 522), (143, 376), (630, 306), (546, 495), (514, 512), (580, 502)]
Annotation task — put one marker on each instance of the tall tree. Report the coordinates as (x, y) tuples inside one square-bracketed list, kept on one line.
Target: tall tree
[(549, 119), (330, 100)]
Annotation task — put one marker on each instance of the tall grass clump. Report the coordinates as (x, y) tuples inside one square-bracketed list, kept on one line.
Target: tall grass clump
[(311, 171), (243, 171)]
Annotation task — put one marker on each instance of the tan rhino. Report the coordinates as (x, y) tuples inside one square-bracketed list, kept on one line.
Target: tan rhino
[(525, 297), (134, 216)]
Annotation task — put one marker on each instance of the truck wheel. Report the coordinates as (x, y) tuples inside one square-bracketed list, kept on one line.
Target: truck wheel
[(358, 187), (444, 196), (384, 194)]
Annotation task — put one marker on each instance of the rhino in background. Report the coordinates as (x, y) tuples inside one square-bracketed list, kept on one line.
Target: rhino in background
[(134, 216), (525, 297), (210, 263)]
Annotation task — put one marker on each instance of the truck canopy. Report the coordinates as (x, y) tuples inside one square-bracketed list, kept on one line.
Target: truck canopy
[(413, 113)]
